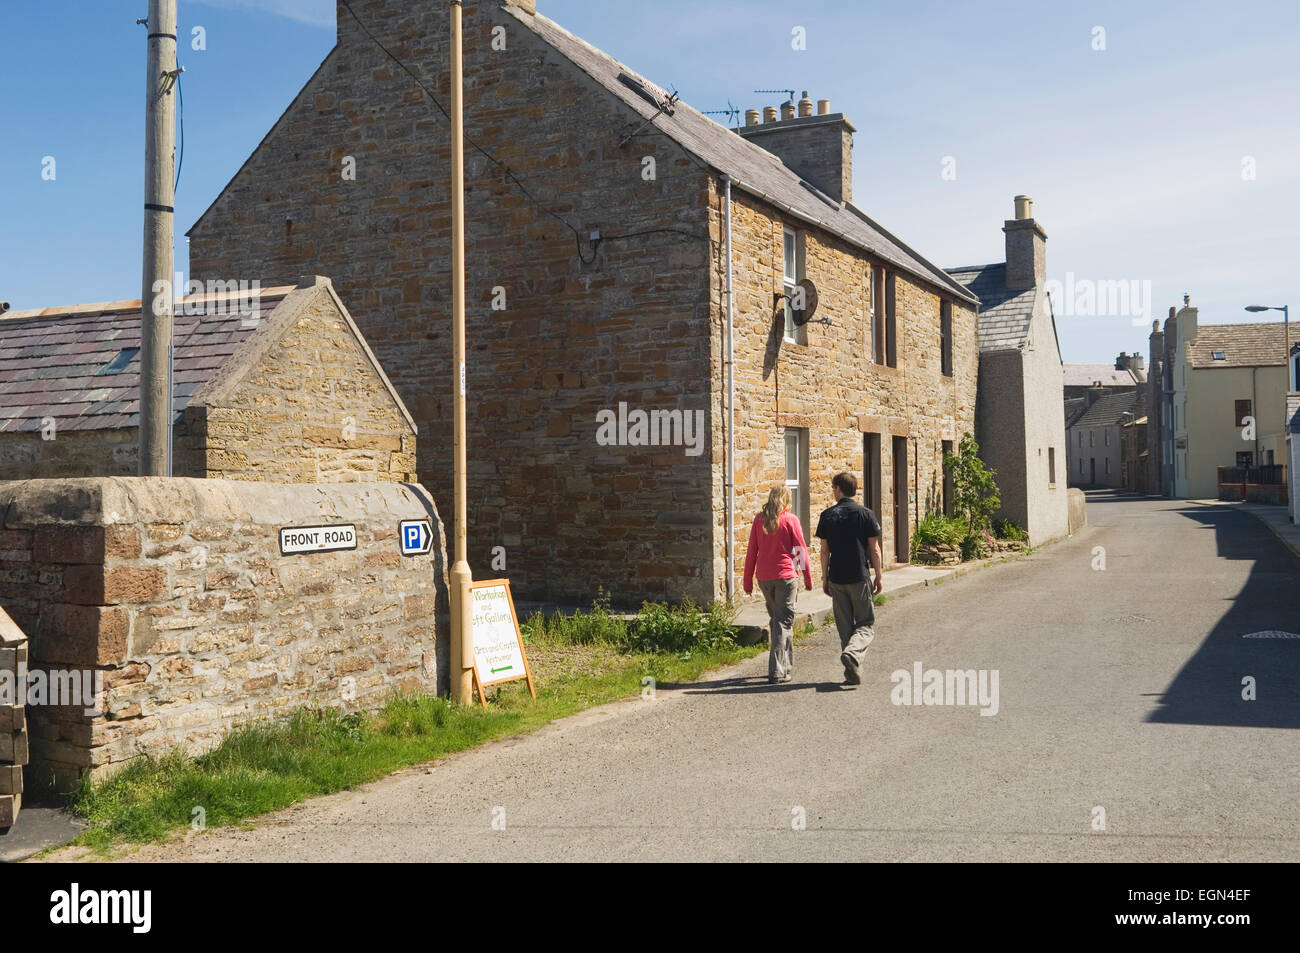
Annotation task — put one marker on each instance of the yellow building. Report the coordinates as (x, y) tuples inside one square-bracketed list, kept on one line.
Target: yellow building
[(1228, 404)]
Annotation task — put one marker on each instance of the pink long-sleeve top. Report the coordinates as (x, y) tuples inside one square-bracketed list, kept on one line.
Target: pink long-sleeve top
[(769, 555)]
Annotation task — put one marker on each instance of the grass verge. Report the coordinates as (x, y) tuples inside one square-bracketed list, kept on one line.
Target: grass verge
[(266, 767)]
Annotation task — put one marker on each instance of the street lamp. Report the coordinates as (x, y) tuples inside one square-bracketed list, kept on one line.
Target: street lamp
[(1286, 335)]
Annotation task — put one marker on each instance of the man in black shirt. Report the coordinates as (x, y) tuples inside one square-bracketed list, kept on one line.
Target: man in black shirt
[(850, 535)]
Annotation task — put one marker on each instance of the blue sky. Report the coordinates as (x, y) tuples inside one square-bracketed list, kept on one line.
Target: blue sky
[(1133, 154)]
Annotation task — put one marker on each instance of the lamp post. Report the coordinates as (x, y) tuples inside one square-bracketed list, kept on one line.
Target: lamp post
[(1286, 335)]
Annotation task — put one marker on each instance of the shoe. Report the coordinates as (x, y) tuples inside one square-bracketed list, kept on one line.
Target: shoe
[(851, 674), (786, 677)]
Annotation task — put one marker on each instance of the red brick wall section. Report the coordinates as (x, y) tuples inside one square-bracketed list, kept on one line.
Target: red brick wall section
[(175, 590)]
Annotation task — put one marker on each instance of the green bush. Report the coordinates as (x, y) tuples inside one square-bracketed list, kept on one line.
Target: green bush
[(1006, 529), (974, 491), (597, 627), (973, 547), (684, 628), (936, 530)]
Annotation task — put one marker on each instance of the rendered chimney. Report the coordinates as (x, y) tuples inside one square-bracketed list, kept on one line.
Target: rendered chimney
[(1026, 248)]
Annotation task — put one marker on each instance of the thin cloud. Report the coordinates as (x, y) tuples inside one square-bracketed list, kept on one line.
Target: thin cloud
[(313, 12)]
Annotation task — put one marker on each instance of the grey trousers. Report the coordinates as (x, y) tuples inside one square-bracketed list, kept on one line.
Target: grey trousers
[(779, 596), (855, 617)]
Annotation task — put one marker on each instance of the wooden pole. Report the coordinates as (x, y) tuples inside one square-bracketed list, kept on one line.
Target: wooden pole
[(159, 230), (462, 637)]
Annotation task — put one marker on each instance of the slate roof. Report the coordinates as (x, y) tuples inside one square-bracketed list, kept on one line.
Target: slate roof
[(1110, 409), (1243, 345), (56, 362), (1004, 316), (1085, 375), (752, 168), (1074, 407)]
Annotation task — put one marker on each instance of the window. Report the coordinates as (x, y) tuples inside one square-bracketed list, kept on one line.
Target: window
[(1051, 466), (1080, 438), (1219, 356), (118, 364), (796, 473), (877, 314), (1081, 466), (1092, 438), (793, 271), (1108, 464), (1241, 410), (945, 336), (1106, 438)]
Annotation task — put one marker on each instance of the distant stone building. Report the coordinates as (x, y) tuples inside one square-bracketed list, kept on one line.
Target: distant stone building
[(1228, 403), (1017, 419), (598, 299), (1095, 438), (1127, 373), (277, 385)]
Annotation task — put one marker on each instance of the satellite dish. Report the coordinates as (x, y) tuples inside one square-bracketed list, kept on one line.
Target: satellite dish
[(806, 290)]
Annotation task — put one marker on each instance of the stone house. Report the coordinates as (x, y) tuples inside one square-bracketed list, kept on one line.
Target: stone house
[(1228, 402), (1019, 428), (1095, 439), (600, 293), (1127, 373), (274, 385)]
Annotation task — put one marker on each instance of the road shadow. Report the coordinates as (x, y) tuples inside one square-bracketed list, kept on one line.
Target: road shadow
[(1208, 689), (752, 685)]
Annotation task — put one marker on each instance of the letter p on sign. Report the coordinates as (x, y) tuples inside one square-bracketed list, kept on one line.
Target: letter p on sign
[(416, 537)]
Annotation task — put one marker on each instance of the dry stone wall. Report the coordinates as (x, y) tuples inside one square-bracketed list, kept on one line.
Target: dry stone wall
[(171, 601)]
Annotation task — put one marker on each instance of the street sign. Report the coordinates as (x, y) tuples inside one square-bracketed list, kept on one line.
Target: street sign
[(317, 539), (416, 537), (498, 644)]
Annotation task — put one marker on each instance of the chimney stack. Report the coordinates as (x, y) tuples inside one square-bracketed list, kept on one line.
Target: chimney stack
[(818, 147), (1026, 248)]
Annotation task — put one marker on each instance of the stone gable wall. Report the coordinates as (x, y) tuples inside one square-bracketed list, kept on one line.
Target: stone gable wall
[(174, 591)]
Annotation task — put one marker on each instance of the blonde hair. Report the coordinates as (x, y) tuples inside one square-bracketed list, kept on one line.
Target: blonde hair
[(778, 501)]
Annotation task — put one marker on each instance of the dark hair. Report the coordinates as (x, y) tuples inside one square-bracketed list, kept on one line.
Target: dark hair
[(846, 482)]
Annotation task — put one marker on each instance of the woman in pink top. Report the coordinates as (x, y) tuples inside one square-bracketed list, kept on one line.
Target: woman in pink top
[(777, 552)]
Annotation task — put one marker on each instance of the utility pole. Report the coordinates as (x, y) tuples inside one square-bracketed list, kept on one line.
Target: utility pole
[(462, 636), (159, 229)]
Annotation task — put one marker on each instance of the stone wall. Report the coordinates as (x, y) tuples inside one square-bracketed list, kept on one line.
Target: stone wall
[(624, 321), (829, 386), (175, 592), (310, 408)]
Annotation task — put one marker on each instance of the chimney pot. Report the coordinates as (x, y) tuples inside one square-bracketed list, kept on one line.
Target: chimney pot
[(823, 107), (1187, 300), (769, 114), (805, 105), (751, 117), (1024, 207), (787, 110)]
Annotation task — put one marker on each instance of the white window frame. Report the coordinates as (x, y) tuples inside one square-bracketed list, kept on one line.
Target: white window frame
[(792, 272), (798, 483)]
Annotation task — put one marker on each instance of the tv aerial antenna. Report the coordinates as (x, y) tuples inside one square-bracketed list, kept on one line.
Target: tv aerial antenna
[(732, 112)]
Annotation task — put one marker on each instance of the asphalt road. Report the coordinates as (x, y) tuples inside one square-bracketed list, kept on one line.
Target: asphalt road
[(1119, 689)]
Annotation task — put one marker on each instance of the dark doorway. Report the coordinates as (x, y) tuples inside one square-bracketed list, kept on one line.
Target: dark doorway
[(947, 479), (902, 538), (1093, 480), (871, 471)]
